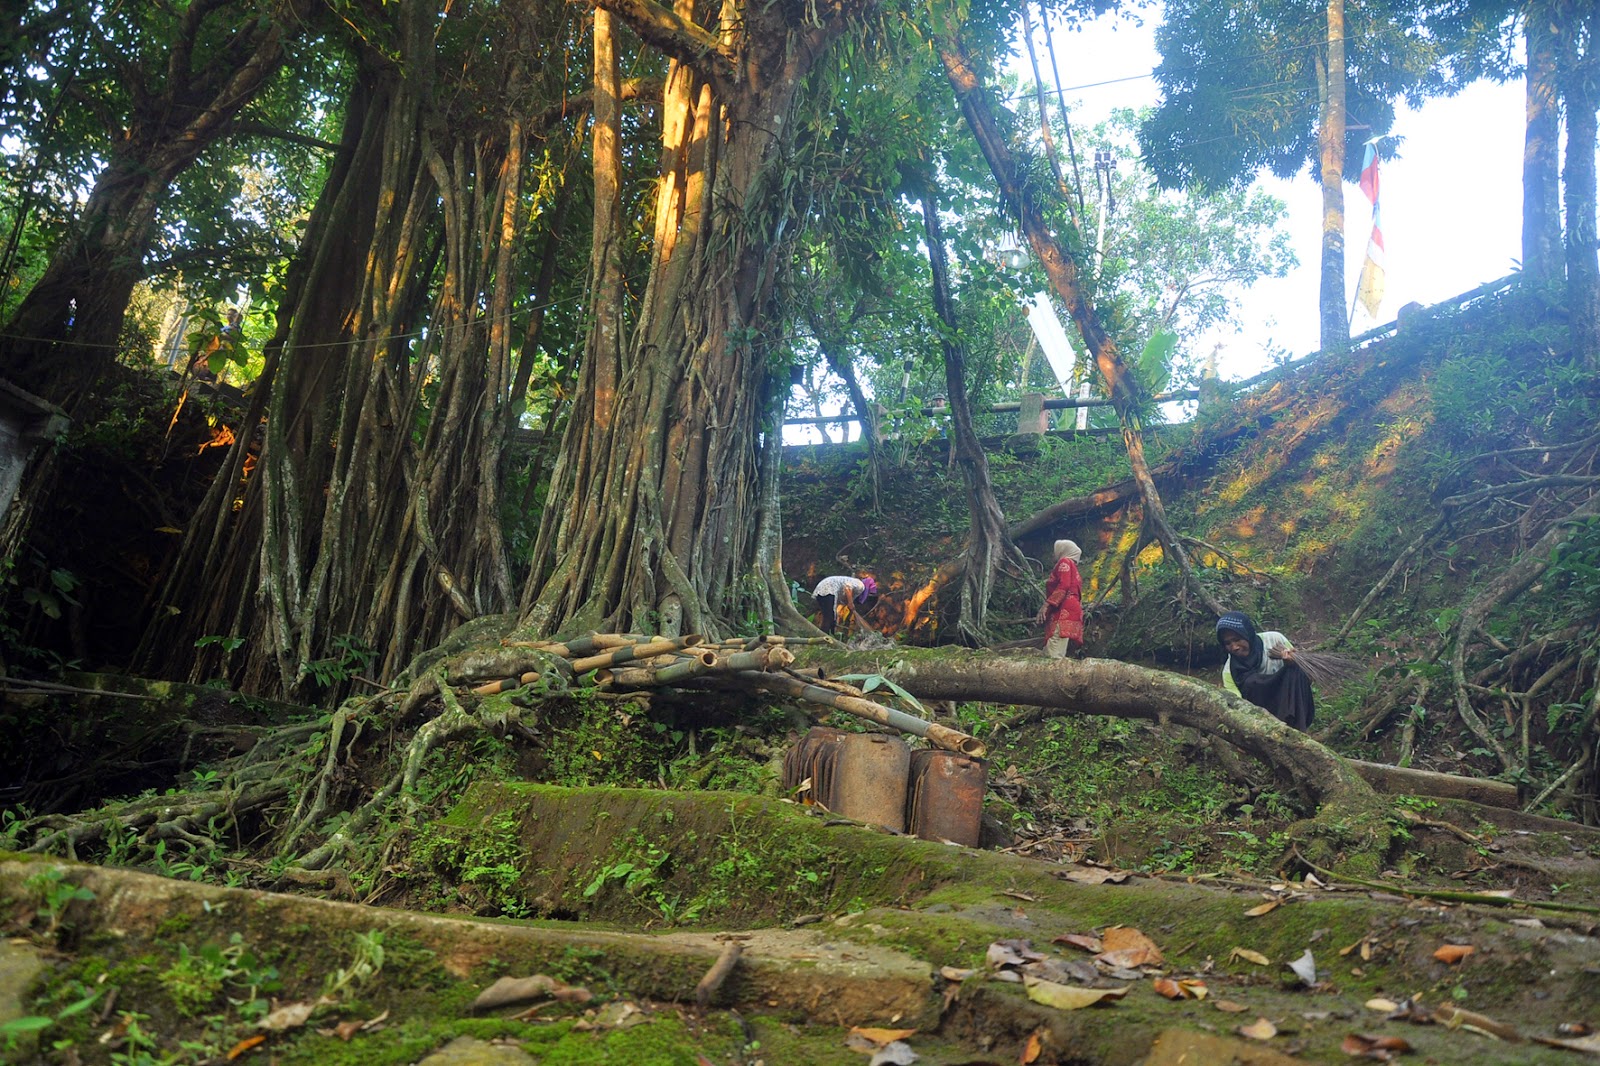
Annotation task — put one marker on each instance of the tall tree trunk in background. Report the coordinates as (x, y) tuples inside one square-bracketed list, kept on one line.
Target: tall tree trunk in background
[(1541, 205), (370, 527), (988, 546), (1127, 395), (65, 332), (653, 517), (1330, 140), (1581, 89)]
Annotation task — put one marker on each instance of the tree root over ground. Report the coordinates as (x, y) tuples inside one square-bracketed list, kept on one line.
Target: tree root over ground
[(315, 797), (1350, 819)]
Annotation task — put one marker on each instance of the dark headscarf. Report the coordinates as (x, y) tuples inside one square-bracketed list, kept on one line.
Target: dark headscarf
[(1239, 623)]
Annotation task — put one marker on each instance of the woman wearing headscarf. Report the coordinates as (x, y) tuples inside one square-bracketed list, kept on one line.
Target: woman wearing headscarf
[(1261, 668), (1062, 613)]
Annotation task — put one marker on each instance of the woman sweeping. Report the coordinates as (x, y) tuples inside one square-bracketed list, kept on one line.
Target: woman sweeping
[(1062, 613), (1261, 667)]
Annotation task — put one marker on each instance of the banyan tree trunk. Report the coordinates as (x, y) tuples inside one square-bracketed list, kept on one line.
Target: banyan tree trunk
[(359, 539), (654, 501)]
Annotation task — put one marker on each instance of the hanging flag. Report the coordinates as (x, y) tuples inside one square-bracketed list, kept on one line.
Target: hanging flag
[(1369, 173), (1370, 289)]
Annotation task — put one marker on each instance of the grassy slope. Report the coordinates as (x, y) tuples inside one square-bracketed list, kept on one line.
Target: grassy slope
[(1309, 490)]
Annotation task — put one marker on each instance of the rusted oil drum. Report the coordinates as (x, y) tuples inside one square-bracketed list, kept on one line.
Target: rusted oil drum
[(945, 797), (813, 758), (869, 782)]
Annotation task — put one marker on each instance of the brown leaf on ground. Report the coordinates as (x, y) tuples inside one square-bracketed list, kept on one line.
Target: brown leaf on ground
[(1094, 875), (1069, 997), (1388, 1006), (1453, 953), (1265, 908), (1188, 988), (1249, 956), (1031, 1049), (1020, 895), (1380, 1048), (1587, 1044), (293, 1015), (1165, 986), (513, 991), (881, 1037), (1260, 1029), (1455, 1018), (1230, 1006), (1125, 946), (246, 1044), (1081, 940)]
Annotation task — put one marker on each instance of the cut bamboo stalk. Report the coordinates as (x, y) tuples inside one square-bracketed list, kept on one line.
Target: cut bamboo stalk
[(506, 684), (935, 734), (617, 656)]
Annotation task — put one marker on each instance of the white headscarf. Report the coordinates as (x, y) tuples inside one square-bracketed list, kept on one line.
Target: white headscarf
[(1067, 549)]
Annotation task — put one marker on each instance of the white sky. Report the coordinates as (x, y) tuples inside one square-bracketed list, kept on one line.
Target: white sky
[(1452, 201)]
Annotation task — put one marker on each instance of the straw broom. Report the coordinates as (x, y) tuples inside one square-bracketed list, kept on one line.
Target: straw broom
[(1326, 667)]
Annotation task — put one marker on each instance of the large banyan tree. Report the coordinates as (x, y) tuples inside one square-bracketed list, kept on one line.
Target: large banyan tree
[(652, 520), (372, 519)]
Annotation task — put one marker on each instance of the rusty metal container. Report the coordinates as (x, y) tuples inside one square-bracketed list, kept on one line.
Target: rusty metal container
[(813, 758), (869, 782), (945, 796)]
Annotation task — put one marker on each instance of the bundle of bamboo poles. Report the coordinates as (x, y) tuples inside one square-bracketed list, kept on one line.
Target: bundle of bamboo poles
[(630, 661)]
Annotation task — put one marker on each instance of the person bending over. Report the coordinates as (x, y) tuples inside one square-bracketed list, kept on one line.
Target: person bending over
[(839, 591), (1261, 668)]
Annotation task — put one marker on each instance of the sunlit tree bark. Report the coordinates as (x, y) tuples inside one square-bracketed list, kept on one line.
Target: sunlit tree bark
[(654, 502)]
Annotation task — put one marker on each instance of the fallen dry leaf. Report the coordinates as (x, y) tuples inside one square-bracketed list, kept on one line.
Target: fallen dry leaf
[(1095, 875), (1305, 968), (1455, 1018), (1080, 940), (246, 1044), (1069, 997), (1387, 1006), (1020, 895), (881, 1037), (293, 1015), (1260, 1029), (1249, 956), (1125, 946), (1575, 1029), (512, 991), (897, 1053), (1188, 988), (950, 973), (1587, 1044), (1453, 953), (1230, 1006), (1381, 1048), (1265, 908), (1011, 953), (1031, 1049), (345, 1030)]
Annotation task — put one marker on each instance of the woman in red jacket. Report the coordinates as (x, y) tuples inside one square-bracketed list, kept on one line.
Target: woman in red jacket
[(1062, 613)]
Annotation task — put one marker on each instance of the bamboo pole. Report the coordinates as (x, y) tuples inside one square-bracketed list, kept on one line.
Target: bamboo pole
[(935, 734), (620, 655)]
